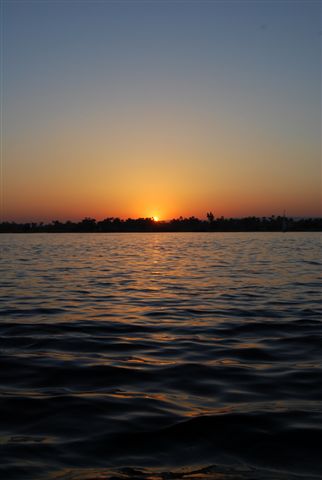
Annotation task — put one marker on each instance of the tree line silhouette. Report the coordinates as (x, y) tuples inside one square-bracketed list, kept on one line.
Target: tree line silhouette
[(181, 224)]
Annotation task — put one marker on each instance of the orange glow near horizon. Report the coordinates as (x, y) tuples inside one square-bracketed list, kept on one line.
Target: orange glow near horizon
[(81, 177), (91, 195)]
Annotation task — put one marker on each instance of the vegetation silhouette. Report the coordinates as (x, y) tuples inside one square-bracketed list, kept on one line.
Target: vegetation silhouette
[(181, 224)]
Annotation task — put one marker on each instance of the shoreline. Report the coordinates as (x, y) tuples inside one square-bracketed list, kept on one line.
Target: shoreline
[(164, 231)]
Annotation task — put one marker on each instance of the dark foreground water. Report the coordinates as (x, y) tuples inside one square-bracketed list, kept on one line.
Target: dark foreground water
[(161, 356)]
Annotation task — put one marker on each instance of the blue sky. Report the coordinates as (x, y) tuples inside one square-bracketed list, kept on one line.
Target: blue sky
[(224, 97)]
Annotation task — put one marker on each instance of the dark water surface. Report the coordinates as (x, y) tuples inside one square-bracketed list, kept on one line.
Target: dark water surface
[(161, 356)]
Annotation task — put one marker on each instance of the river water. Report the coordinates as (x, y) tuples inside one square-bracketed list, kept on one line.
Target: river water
[(175, 355)]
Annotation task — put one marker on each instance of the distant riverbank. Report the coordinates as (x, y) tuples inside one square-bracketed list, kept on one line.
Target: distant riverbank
[(190, 224)]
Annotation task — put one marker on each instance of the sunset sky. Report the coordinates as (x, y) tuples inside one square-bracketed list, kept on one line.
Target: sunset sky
[(160, 108)]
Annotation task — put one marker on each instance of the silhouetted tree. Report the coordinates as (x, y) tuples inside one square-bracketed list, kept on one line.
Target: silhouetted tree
[(88, 224), (210, 217)]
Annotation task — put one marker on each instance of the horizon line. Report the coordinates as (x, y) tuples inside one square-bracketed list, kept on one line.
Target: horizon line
[(159, 220)]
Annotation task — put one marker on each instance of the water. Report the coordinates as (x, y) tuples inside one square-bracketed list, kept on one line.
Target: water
[(161, 356)]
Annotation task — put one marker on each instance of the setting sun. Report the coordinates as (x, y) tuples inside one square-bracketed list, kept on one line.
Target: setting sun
[(156, 219)]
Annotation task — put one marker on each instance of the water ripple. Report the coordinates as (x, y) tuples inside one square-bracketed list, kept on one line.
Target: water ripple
[(161, 356)]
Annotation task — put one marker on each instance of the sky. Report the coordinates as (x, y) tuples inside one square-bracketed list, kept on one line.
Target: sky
[(160, 108)]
